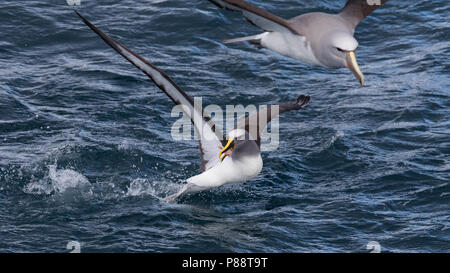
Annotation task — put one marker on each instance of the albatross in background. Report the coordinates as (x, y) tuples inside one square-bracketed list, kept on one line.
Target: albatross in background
[(234, 159), (316, 38)]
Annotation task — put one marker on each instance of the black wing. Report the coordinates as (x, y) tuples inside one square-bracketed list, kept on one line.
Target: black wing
[(257, 16), (355, 11), (255, 123), (210, 137)]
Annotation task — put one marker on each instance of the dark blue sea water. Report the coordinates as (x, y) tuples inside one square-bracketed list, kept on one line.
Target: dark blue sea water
[(86, 146)]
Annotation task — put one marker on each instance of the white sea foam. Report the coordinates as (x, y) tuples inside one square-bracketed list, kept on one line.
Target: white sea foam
[(140, 186), (396, 125), (336, 136), (57, 181), (157, 189)]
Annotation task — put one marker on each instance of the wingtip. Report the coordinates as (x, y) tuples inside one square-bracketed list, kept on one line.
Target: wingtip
[(92, 26), (303, 100), (215, 3), (77, 13), (82, 18)]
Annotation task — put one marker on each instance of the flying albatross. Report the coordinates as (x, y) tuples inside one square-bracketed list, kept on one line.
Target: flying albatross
[(233, 159), (316, 38)]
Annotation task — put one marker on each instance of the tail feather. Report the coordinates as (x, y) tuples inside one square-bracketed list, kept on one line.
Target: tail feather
[(187, 188), (255, 39)]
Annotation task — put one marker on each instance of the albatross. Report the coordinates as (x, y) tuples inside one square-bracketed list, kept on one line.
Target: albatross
[(235, 158), (316, 38)]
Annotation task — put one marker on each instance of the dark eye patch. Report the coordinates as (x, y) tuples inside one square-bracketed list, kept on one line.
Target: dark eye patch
[(341, 50)]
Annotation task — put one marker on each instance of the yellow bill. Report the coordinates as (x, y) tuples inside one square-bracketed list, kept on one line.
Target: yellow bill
[(351, 63), (226, 150)]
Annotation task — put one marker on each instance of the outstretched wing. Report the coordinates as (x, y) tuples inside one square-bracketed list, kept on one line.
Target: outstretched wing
[(355, 11), (210, 137), (257, 16), (255, 123)]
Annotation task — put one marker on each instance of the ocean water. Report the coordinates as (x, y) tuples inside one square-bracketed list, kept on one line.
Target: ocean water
[(86, 150)]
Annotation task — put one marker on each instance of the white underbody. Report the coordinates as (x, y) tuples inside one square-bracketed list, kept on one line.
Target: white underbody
[(294, 46), (228, 171)]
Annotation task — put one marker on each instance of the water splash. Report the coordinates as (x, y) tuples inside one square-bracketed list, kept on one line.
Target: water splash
[(157, 189), (57, 181)]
